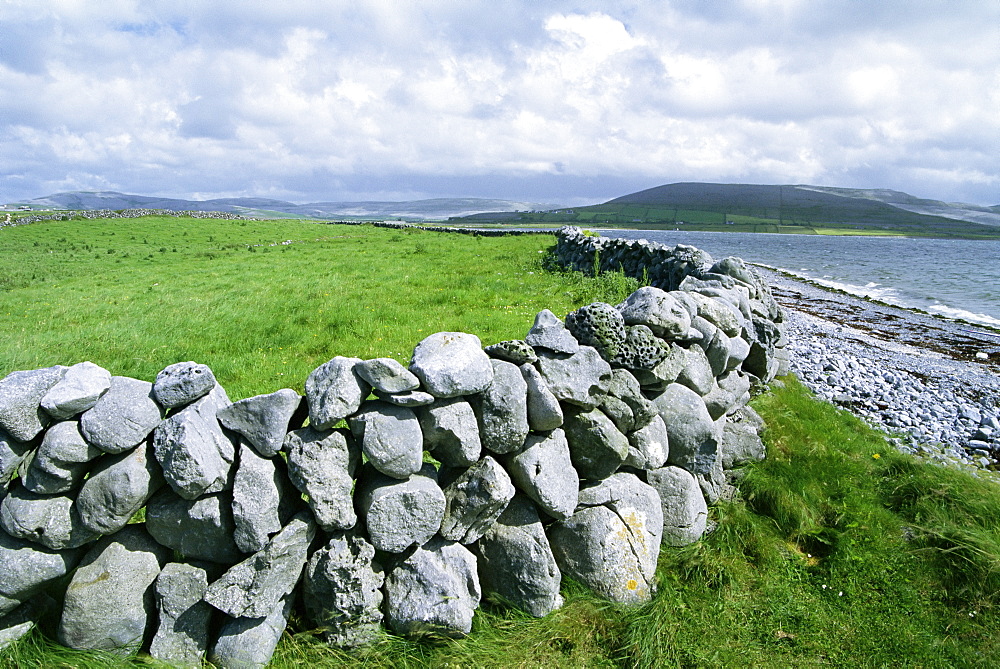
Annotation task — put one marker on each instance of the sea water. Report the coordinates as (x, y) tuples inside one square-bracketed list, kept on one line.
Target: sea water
[(955, 278)]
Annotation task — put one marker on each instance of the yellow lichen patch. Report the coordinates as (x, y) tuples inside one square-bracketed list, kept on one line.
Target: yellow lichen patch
[(632, 584)]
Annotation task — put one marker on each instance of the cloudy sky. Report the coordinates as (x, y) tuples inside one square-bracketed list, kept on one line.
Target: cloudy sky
[(552, 101)]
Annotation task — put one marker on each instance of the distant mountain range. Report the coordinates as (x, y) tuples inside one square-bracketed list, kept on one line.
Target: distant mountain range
[(432, 209)]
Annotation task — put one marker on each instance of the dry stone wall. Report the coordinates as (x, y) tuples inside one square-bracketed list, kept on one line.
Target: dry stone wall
[(386, 497)]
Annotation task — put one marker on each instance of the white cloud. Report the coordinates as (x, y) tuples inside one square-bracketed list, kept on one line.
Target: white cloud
[(315, 100)]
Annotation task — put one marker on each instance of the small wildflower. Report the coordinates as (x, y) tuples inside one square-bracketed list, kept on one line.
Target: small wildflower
[(876, 456)]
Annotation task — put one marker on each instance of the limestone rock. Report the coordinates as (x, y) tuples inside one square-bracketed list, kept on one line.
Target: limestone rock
[(263, 499), (249, 643), (123, 417), (544, 412), (12, 454), (49, 520), (451, 431), (666, 372), (544, 471), (200, 529), (580, 379), (412, 398), (26, 567), (386, 375), (740, 444), (599, 325), (685, 512), (690, 429), (516, 562), (612, 541), (342, 591), (475, 500), (596, 447), (264, 420), (399, 514), (433, 591), (334, 391), (196, 455), (77, 391), (697, 372), (322, 465), (502, 409), (181, 638), (109, 602), (548, 332), (253, 588), (182, 383), (21, 393), (117, 488), (641, 349), (514, 351), (61, 461), (657, 310), (22, 619), (648, 446), (625, 388), (390, 438), (451, 364)]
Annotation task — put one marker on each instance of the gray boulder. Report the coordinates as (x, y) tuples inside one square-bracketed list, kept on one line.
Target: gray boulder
[(21, 620), (514, 351), (451, 431), (612, 541), (61, 462), (516, 563), (596, 447), (740, 444), (435, 590), (637, 410), (263, 499), (182, 383), (648, 446), (200, 529), (49, 520), (685, 512), (580, 379), (249, 643), (387, 375), (181, 637), (739, 349), (657, 310), (109, 602), (717, 352), (77, 391), (548, 332), (117, 488), (334, 391), (322, 465), (21, 393), (697, 372), (544, 471), (690, 429), (544, 412), (399, 514), (253, 588), (451, 364), (502, 409), (12, 455), (412, 398), (665, 372), (718, 402), (475, 500), (26, 568), (599, 325), (196, 455), (264, 420), (390, 438), (342, 591), (123, 417)]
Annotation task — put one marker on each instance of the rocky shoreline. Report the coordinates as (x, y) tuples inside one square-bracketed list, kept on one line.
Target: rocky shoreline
[(932, 384)]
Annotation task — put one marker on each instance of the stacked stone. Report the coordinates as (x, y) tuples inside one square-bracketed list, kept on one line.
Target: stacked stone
[(579, 450)]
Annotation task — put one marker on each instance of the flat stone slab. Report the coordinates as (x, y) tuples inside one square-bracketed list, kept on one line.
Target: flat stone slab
[(109, 602), (264, 420), (502, 409), (181, 638), (118, 486), (515, 560), (263, 499), (200, 529), (390, 438), (12, 454), (386, 375), (123, 417), (21, 393), (433, 591), (182, 383), (77, 391), (342, 591), (249, 643), (513, 350), (544, 412), (399, 514), (544, 471), (475, 500), (322, 466), (334, 391), (451, 364)]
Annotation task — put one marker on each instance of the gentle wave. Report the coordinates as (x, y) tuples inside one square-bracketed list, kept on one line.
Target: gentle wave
[(870, 291), (963, 315)]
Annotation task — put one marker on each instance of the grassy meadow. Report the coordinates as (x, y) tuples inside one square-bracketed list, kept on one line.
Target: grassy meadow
[(843, 552)]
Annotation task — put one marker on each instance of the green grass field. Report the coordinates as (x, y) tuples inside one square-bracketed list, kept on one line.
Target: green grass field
[(844, 553)]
